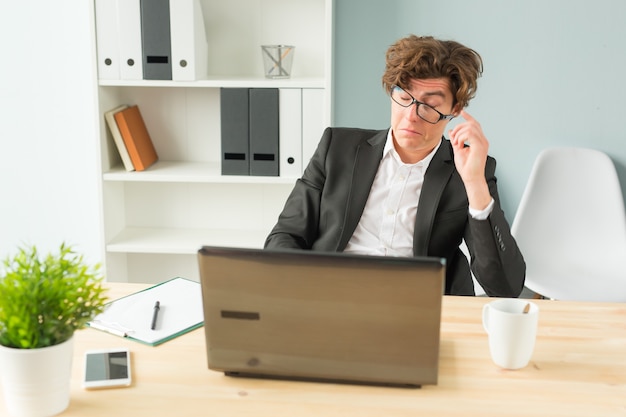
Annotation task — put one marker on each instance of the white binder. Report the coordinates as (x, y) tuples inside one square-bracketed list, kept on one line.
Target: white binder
[(312, 121), (129, 19), (290, 132), (189, 42), (107, 42)]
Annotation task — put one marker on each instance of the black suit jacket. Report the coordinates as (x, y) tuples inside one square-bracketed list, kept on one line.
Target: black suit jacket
[(326, 204)]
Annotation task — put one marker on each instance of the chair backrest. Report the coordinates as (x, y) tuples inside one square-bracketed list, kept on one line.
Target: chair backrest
[(571, 227)]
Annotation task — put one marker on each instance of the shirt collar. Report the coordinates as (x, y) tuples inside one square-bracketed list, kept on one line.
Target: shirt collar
[(390, 150)]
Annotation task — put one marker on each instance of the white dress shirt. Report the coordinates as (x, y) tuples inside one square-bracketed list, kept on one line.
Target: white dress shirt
[(388, 221)]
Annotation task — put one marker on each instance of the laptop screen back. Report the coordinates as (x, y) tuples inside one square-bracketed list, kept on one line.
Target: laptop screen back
[(320, 316)]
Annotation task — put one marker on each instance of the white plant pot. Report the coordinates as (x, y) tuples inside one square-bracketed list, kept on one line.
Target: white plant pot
[(36, 382)]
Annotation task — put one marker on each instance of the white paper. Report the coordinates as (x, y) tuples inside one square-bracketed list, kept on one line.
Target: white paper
[(180, 309)]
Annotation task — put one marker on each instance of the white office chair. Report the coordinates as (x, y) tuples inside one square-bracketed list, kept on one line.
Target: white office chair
[(571, 227)]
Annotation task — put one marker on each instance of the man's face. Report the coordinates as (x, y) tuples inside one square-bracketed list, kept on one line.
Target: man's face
[(414, 138)]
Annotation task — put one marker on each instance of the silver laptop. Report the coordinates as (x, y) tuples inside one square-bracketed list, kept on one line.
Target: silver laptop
[(322, 317)]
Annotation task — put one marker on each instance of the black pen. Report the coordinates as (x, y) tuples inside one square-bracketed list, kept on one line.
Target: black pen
[(155, 314)]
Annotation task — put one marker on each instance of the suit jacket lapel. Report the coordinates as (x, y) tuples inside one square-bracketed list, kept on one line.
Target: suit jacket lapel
[(435, 180), (368, 156)]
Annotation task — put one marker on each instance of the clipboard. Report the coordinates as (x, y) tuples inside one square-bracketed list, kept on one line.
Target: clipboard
[(180, 311)]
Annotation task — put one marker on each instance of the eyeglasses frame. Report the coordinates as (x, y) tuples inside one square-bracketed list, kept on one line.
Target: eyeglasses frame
[(419, 103)]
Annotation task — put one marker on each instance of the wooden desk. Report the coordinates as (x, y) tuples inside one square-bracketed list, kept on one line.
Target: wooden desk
[(578, 369)]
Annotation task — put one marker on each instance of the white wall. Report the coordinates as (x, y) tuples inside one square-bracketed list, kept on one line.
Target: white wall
[(554, 72), (48, 171)]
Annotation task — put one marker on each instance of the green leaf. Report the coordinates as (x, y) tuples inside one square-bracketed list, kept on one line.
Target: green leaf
[(43, 300)]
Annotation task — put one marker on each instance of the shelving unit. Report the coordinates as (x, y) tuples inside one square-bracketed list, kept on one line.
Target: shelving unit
[(155, 221)]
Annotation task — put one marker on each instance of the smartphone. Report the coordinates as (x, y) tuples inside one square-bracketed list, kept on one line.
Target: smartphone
[(107, 368)]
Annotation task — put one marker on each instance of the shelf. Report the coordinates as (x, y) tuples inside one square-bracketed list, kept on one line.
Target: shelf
[(182, 241), (217, 82), (155, 221), (189, 172)]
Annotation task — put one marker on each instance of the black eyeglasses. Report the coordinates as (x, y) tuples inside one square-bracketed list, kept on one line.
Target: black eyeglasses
[(423, 110)]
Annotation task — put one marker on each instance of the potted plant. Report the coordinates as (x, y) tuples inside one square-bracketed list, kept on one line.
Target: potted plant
[(43, 301)]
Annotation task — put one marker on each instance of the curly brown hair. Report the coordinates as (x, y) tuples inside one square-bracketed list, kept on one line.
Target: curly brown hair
[(425, 57)]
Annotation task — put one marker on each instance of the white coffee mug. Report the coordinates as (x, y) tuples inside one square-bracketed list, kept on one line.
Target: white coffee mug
[(511, 325)]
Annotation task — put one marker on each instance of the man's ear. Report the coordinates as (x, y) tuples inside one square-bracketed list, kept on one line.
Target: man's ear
[(456, 110)]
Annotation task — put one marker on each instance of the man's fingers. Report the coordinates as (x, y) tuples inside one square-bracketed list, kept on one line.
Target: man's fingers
[(467, 116)]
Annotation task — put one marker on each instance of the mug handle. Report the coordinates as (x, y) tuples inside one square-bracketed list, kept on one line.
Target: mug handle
[(486, 310)]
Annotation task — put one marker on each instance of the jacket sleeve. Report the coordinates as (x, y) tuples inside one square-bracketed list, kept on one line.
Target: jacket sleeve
[(496, 260), (298, 223)]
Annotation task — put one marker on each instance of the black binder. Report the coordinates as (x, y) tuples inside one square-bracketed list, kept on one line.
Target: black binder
[(264, 137), (234, 110), (156, 39)]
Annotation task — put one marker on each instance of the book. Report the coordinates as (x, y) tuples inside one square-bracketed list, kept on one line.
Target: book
[(180, 311), (117, 137), (136, 137)]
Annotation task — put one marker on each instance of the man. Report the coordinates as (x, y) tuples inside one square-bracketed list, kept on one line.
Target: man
[(408, 191)]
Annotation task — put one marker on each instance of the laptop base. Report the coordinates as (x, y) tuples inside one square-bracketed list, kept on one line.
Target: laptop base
[(319, 380)]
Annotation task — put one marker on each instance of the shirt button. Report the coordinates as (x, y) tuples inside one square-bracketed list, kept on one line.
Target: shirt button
[(389, 212)]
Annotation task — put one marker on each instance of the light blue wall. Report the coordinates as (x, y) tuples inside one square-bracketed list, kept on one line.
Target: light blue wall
[(364, 29), (554, 72)]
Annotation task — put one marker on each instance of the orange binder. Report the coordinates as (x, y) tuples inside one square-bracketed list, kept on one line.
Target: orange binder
[(136, 137)]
